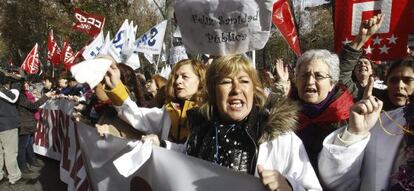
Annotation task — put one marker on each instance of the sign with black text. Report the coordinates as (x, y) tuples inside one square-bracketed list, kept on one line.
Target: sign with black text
[(224, 27)]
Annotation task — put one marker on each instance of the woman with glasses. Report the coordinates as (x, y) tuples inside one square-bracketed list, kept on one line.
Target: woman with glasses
[(324, 103)]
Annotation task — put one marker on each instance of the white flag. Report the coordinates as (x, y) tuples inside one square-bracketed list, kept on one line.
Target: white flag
[(133, 61), (107, 43), (92, 50), (118, 42), (150, 58), (151, 42)]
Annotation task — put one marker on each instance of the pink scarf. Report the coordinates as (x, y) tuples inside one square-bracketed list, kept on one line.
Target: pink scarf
[(32, 99)]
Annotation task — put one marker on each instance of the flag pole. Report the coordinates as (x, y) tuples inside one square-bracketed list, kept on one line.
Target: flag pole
[(53, 70)]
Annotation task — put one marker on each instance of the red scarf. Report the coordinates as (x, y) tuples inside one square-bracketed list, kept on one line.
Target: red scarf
[(337, 111)]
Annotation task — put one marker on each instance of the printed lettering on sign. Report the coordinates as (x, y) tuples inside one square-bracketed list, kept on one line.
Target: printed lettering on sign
[(89, 20)]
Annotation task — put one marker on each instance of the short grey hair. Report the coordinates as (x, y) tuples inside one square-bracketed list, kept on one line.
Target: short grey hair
[(330, 59)]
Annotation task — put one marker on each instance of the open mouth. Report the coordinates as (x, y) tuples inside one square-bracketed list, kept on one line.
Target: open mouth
[(235, 104), (363, 69), (310, 91)]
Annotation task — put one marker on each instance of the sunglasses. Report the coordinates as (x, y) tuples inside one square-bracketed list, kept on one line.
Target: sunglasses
[(404, 79)]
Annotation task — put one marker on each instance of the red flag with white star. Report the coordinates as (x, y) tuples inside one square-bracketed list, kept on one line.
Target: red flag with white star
[(390, 42), (282, 18), (31, 62)]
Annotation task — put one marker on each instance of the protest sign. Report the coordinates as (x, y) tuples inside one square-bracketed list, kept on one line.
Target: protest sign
[(219, 27)]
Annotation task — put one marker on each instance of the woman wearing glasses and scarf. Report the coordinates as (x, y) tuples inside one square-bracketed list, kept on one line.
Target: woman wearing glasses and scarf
[(324, 103)]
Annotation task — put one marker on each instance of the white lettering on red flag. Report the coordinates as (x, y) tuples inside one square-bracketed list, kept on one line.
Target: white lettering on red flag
[(88, 23), (31, 62)]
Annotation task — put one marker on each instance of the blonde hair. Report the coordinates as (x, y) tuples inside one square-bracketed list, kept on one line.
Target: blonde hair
[(159, 80), (199, 69), (229, 66)]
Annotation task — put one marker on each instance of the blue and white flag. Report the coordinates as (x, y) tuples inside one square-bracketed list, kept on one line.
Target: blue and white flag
[(151, 42), (118, 42), (92, 50)]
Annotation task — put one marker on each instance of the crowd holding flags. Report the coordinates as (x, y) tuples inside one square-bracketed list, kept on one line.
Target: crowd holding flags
[(390, 42)]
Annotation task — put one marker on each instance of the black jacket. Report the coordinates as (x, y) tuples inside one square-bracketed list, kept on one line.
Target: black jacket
[(9, 117), (238, 146), (26, 112)]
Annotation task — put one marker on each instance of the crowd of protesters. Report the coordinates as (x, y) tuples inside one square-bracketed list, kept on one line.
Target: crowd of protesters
[(309, 128)]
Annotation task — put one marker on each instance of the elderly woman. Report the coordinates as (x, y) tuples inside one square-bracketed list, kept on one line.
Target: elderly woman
[(324, 103), (233, 129), (184, 90)]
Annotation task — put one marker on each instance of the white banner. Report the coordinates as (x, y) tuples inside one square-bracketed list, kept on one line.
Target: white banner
[(56, 138), (159, 172), (220, 27), (59, 137), (92, 50), (151, 42)]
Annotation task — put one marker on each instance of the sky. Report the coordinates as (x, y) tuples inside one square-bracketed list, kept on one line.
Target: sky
[(311, 3)]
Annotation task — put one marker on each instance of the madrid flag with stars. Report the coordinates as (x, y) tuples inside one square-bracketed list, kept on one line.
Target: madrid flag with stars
[(390, 42)]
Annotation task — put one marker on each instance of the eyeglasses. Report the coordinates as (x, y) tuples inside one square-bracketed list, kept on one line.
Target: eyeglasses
[(317, 76), (404, 79)]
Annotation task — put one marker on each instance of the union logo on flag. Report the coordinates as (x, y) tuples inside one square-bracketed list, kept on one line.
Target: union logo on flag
[(390, 42)]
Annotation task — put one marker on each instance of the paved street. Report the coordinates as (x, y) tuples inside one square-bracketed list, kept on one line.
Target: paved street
[(45, 178)]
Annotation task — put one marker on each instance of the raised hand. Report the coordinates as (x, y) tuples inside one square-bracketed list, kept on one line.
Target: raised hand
[(282, 70), (112, 76), (366, 30), (370, 27), (364, 114), (273, 180)]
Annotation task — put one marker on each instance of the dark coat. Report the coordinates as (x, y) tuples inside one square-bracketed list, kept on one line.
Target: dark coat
[(26, 112), (9, 117), (262, 125), (348, 60)]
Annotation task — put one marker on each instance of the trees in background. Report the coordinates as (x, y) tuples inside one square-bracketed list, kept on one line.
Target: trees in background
[(25, 22)]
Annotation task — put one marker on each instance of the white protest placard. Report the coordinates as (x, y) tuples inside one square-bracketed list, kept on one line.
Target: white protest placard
[(177, 53), (151, 42), (220, 27)]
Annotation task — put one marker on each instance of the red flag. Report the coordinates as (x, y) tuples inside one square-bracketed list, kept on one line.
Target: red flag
[(283, 19), (390, 42), (69, 58), (31, 63), (53, 50), (88, 23)]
